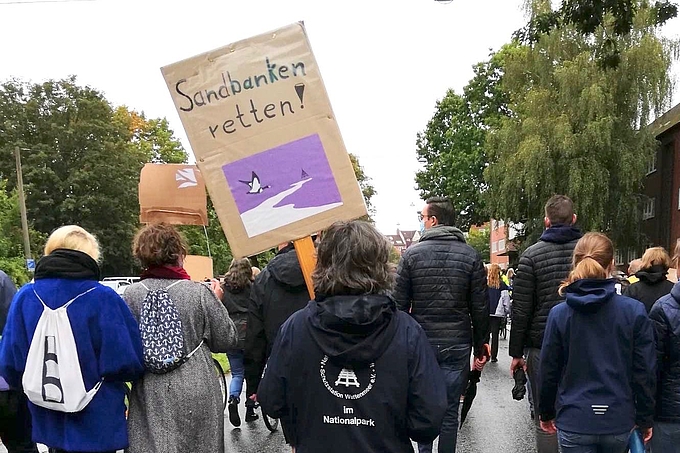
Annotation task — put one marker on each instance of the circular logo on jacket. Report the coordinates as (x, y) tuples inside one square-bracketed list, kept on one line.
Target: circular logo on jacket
[(347, 383)]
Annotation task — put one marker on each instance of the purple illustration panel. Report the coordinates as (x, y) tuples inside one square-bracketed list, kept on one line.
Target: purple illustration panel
[(282, 185)]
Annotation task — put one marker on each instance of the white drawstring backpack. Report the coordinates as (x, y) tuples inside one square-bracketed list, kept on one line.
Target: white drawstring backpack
[(53, 378)]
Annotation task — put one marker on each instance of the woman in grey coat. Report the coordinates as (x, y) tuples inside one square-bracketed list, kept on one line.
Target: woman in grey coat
[(181, 410)]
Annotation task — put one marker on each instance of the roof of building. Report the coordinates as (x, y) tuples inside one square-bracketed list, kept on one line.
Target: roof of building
[(408, 234), (395, 239), (666, 121)]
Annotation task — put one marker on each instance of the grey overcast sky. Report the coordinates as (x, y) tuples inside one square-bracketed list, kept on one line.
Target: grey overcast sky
[(384, 63)]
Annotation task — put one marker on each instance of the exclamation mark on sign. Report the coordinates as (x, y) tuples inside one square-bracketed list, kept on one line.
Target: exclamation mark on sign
[(300, 90)]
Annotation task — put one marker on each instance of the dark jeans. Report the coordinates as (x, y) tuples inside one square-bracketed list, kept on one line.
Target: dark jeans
[(545, 443), (455, 364), (588, 443), (666, 438), (15, 423), (494, 328)]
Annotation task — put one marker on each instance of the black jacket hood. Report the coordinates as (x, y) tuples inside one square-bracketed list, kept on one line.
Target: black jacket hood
[(561, 234), (353, 330), (652, 275), (286, 270)]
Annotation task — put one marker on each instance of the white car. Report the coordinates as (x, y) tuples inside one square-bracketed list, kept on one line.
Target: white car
[(119, 284)]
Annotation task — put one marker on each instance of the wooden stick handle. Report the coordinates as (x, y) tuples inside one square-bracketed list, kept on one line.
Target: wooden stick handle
[(306, 254)]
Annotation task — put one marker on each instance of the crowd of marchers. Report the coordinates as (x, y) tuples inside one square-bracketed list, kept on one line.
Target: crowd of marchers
[(377, 359)]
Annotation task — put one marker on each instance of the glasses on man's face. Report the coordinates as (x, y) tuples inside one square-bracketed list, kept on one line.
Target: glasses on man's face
[(421, 217)]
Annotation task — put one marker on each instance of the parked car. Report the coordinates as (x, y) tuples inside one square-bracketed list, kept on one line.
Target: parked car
[(119, 284)]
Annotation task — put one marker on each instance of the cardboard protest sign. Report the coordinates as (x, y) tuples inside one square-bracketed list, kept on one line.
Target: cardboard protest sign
[(172, 193), (260, 124), (198, 267)]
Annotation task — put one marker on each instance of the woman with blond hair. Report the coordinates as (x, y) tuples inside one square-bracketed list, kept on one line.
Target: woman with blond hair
[(499, 305), (107, 340), (179, 410), (598, 365), (652, 283)]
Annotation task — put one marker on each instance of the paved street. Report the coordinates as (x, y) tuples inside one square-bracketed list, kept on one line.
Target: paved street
[(496, 423)]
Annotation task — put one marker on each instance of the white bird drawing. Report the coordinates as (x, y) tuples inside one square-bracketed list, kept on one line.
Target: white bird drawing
[(254, 184)]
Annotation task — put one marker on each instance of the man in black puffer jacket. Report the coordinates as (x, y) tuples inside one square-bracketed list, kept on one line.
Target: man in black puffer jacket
[(441, 281), (278, 292), (542, 268)]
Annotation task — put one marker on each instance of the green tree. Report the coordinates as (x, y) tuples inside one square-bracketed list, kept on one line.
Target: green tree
[(12, 260), (616, 18), (82, 161), (451, 149), (479, 239), (452, 146), (577, 128), (367, 189)]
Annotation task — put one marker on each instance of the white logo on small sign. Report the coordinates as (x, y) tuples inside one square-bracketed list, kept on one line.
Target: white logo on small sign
[(186, 178)]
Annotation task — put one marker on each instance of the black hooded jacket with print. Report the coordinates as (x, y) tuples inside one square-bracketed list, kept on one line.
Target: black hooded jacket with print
[(352, 373)]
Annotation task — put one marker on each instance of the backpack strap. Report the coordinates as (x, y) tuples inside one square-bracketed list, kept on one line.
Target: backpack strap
[(188, 356), (67, 303), (167, 287)]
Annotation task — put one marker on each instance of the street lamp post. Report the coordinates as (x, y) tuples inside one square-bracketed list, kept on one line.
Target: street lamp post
[(22, 204)]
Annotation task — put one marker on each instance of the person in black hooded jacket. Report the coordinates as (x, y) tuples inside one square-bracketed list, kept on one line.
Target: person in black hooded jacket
[(653, 283), (278, 292), (598, 364), (350, 372)]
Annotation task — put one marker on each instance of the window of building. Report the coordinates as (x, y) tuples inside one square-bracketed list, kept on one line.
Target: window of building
[(501, 245), (501, 223), (651, 164), (494, 247), (648, 210)]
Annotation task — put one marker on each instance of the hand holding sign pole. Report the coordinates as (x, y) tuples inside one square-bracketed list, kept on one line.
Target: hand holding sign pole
[(257, 115)]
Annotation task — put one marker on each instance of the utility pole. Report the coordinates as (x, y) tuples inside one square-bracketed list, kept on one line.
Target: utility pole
[(22, 204)]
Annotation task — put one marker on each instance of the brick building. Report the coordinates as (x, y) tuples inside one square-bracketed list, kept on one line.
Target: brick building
[(503, 248), (661, 205)]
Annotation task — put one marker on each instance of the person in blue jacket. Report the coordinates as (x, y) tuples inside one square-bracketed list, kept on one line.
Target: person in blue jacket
[(350, 372), (598, 361), (106, 335)]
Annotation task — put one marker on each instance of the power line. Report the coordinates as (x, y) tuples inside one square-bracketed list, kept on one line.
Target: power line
[(27, 2)]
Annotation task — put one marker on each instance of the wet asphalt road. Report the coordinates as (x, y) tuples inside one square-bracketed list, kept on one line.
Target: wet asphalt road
[(496, 423)]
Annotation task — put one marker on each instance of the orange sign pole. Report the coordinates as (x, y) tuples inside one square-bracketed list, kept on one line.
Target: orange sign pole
[(306, 254)]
